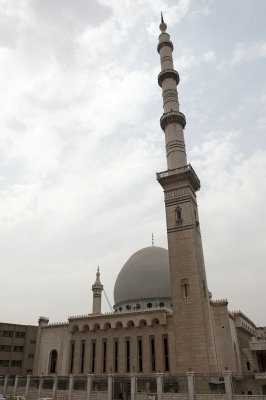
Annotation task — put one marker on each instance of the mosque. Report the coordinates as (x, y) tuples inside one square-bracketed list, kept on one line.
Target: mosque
[(164, 318)]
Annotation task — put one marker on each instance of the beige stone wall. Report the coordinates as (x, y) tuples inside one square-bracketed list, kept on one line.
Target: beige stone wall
[(224, 342)]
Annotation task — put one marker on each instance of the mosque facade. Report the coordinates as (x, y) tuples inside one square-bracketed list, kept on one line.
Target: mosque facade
[(164, 318)]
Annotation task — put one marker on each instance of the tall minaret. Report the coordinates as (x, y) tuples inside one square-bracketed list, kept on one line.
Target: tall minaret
[(97, 289), (193, 330)]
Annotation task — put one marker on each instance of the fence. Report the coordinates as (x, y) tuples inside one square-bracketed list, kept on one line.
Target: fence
[(224, 386)]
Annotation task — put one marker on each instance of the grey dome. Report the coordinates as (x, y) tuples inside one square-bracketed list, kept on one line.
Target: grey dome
[(144, 276)]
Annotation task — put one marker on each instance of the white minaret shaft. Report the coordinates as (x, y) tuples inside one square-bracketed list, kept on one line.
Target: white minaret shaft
[(172, 121), (97, 289)]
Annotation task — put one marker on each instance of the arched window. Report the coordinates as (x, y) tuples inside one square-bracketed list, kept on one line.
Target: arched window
[(178, 213), (53, 362), (185, 288), (149, 305)]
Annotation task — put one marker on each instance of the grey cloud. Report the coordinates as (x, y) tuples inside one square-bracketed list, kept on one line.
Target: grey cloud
[(72, 14), (9, 31)]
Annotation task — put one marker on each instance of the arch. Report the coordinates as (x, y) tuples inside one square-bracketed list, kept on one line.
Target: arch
[(107, 325), (96, 327), (75, 329), (85, 328), (128, 307), (53, 362), (155, 321), (138, 306), (130, 324), (149, 305), (118, 325), (142, 322), (161, 304)]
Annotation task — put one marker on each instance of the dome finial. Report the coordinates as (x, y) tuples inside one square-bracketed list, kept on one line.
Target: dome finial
[(152, 239), (163, 25)]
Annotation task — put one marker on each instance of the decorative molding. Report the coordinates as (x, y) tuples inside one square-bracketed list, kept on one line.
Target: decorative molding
[(171, 117), (168, 73), (166, 43), (177, 175)]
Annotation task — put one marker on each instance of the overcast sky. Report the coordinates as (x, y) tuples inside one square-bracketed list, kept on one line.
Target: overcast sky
[(81, 143)]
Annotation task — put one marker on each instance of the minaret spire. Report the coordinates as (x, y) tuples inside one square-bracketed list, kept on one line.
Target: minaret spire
[(191, 305), (97, 289)]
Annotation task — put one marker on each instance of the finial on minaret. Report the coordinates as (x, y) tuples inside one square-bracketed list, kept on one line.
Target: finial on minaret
[(152, 239), (98, 269), (163, 25)]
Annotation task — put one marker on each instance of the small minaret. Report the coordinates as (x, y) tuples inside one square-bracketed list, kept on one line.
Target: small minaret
[(97, 289)]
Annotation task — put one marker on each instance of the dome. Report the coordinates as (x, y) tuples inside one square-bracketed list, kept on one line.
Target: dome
[(145, 275)]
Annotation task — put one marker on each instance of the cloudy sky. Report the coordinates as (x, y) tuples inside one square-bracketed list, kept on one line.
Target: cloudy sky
[(81, 143)]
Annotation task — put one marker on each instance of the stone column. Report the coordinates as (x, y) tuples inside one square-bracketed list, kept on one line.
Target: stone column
[(5, 384), (27, 386), (54, 386), (40, 387), (110, 387), (191, 385), (15, 385), (133, 386), (159, 383), (89, 386), (70, 386), (228, 384)]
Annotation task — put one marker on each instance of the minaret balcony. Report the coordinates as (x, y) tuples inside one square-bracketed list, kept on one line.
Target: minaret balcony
[(168, 73), (165, 43), (177, 175), (171, 117)]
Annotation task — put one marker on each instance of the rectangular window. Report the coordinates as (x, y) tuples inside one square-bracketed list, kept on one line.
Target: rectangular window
[(16, 363), (33, 342), (7, 333), (93, 354), (116, 354), (19, 334), (140, 366), (152, 353), (30, 355), (18, 348), (104, 354), (5, 347), (127, 354), (72, 353), (165, 353), (4, 363), (82, 356)]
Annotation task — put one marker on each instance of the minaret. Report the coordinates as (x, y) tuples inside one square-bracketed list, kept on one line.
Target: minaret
[(97, 289), (193, 330)]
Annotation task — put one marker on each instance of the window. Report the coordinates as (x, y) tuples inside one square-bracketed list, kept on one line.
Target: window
[(33, 342), (4, 363), (93, 353), (140, 367), (5, 347), (7, 333), (16, 363), (248, 365), (152, 353), (18, 348), (178, 213), (116, 354), (30, 355), (82, 355), (72, 352), (165, 353), (149, 305), (104, 354), (53, 362), (19, 334), (128, 354), (185, 288)]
